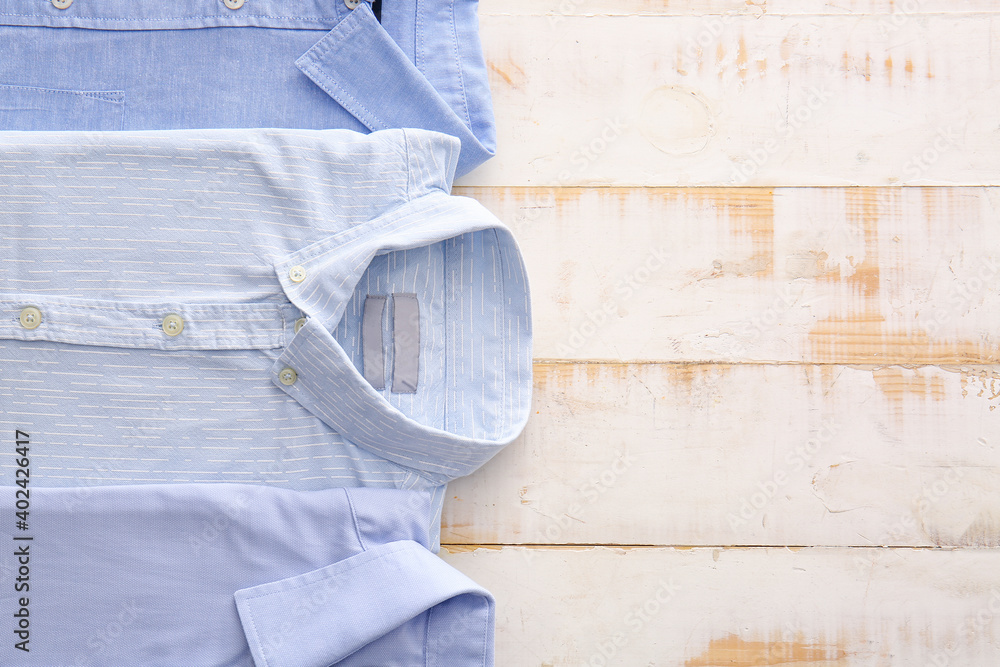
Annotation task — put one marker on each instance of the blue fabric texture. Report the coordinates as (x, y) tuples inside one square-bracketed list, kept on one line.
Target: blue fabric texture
[(234, 575), (125, 65), (264, 246)]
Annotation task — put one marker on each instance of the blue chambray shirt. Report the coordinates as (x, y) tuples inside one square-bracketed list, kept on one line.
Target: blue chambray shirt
[(300, 309), (232, 575), (139, 65)]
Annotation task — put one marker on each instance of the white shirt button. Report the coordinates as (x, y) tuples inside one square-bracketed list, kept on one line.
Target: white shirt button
[(351, 4), (31, 317), (233, 4), (297, 274), (288, 376), (62, 4), (173, 325), (299, 323)]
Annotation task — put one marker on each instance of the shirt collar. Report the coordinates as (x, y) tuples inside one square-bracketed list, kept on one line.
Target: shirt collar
[(491, 406)]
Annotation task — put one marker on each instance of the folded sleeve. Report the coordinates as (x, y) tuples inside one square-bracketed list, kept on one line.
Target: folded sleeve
[(364, 70), (393, 599)]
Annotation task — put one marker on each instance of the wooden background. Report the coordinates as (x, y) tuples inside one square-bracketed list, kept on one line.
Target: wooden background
[(764, 243)]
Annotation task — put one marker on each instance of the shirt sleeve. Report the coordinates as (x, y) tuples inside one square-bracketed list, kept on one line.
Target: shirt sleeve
[(233, 574), (364, 70), (357, 605)]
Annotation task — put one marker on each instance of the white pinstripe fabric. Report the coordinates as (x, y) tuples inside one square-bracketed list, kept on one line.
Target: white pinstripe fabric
[(107, 233)]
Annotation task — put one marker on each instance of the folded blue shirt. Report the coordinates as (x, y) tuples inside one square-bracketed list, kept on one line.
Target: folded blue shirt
[(301, 309), (125, 65), (232, 575)]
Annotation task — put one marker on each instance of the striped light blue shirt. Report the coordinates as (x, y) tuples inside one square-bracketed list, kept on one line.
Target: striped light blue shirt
[(231, 575), (300, 309)]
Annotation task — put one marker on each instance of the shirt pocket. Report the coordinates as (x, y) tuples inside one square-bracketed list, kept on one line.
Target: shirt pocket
[(30, 108)]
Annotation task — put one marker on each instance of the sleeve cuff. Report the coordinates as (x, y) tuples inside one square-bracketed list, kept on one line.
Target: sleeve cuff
[(319, 618), (360, 67)]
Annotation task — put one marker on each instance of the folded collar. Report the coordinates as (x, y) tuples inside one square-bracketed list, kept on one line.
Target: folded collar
[(488, 406)]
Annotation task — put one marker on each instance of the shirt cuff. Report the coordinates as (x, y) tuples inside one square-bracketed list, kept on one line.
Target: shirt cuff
[(319, 618), (360, 67)]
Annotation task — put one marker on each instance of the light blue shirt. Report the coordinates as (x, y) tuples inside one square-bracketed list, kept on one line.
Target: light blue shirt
[(232, 575), (300, 309), (127, 65)]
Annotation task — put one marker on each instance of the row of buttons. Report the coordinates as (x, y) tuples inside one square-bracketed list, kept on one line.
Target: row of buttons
[(172, 325)]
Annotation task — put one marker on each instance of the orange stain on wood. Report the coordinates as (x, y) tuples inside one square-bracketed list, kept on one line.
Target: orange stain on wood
[(898, 384), (909, 69), (787, 50), (982, 383), (509, 72), (862, 211), (866, 339), (749, 213), (858, 332), (563, 294), (787, 47), (502, 74), (554, 381), (741, 59), (888, 68), (868, 67), (733, 651), (469, 548)]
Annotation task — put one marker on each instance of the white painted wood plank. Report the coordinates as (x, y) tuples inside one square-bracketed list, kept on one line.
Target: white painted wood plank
[(828, 275), (896, 10), (737, 608), (768, 100), (667, 454)]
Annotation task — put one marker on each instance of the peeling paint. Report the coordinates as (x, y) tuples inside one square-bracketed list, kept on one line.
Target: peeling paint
[(733, 651)]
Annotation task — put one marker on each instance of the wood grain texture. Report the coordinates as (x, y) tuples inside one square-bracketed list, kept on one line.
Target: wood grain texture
[(739, 607), (723, 358), (815, 275), (742, 99), (715, 454)]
